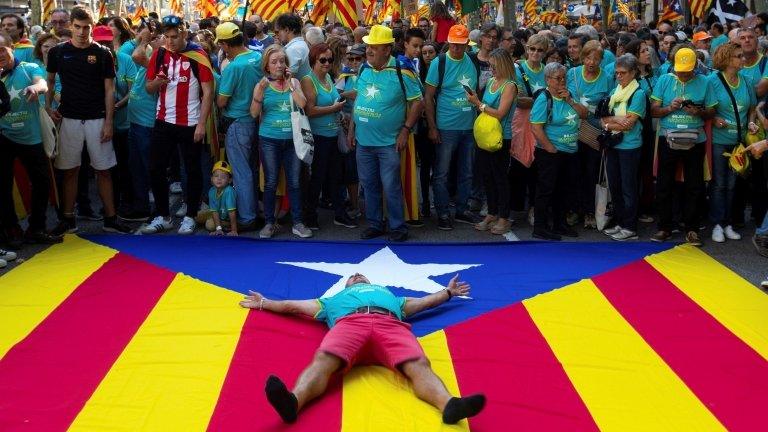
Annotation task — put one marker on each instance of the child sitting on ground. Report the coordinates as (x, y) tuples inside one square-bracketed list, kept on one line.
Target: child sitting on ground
[(221, 200)]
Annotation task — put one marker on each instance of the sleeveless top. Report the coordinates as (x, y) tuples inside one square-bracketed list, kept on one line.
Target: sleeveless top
[(276, 113), (493, 100), (326, 125)]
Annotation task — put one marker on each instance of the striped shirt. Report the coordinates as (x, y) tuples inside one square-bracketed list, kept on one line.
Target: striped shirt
[(178, 102)]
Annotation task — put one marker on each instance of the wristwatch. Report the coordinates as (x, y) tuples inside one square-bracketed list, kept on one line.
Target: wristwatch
[(482, 107)]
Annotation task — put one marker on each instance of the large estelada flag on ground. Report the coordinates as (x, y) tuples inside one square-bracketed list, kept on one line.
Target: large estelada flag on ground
[(144, 333)]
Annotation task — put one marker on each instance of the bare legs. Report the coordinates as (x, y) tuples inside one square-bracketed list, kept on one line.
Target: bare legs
[(314, 379), (426, 384)]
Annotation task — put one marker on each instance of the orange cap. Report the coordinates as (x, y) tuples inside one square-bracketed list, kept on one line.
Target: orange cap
[(458, 34), (700, 36)]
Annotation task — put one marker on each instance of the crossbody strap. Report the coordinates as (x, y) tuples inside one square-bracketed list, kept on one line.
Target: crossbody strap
[(735, 107)]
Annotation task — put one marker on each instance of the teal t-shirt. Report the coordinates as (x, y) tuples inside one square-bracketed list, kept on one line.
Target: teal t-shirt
[(563, 128), (356, 296), (753, 72), (127, 48), (379, 107), (124, 76), (22, 123), (588, 92), (237, 82), (493, 100), (453, 111), (716, 42), (745, 98), (696, 89), (535, 78), (633, 138), (276, 113), (647, 83), (222, 203), (142, 106), (608, 58), (24, 54), (326, 125)]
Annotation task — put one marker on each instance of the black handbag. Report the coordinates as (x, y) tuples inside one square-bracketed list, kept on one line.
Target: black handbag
[(608, 139)]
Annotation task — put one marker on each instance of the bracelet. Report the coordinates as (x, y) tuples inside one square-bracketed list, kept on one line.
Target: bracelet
[(449, 294), (482, 107), (261, 304)]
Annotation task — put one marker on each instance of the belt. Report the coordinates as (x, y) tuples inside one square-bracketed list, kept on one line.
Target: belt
[(375, 310)]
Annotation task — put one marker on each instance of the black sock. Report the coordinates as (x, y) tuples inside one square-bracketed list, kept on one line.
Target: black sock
[(283, 401), (461, 408)]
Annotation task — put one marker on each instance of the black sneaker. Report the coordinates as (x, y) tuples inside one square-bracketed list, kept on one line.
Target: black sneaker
[(312, 223), (415, 223), (467, 217), (444, 223), (65, 226), (398, 236), (345, 221), (566, 231), (545, 234), (761, 244), (133, 216), (661, 236), (87, 213), (112, 225), (370, 233), (41, 237)]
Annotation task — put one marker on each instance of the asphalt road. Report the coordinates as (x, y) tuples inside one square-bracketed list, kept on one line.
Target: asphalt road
[(739, 256)]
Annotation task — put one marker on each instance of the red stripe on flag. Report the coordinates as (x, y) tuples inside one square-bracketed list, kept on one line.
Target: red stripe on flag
[(283, 346), (726, 374), (46, 379), (24, 184), (529, 389)]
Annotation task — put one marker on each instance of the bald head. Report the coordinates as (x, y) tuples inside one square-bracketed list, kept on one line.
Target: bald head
[(358, 33)]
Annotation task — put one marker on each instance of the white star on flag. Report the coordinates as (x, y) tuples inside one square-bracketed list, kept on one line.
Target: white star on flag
[(384, 267)]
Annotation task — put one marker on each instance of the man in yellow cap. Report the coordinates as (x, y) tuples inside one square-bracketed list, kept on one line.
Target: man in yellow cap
[(380, 128), (234, 99)]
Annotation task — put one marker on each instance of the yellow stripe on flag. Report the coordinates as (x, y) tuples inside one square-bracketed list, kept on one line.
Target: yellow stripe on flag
[(169, 376), (378, 399), (731, 300), (624, 383), (31, 291)]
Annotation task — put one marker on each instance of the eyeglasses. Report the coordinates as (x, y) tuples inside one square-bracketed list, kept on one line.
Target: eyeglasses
[(171, 20), (354, 59), (325, 60), (621, 73), (534, 49), (559, 78)]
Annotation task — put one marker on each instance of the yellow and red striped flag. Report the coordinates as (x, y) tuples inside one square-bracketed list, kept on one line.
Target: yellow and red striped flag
[(138, 13), (530, 12), (625, 10), (320, 11), (234, 6), (103, 12), (370, 10), (269, 9), (175, 7), (207, 8), (422, 12), (48, 7), (346, 12), (672, 11), (700, 7)]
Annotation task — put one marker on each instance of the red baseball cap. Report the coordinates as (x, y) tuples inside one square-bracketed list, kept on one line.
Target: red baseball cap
[(102, 33)]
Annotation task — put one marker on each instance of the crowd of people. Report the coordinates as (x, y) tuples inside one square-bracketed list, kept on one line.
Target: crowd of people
[(499, 123)]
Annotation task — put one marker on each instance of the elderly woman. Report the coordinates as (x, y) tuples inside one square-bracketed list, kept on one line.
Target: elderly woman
[(682, 101), (498, 102), (272, 98), (627, 104), (555, 123), (728, 85), (323, 107), (589, 84)]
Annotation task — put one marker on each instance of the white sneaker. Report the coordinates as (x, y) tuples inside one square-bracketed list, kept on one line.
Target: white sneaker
[(158, 224), (182, 211), (175, 188), (730, 234), (624, 234), (717, 234), (267, 231), (530, 216), (301, 230), (611, 231), (6, 255), (187, 226)]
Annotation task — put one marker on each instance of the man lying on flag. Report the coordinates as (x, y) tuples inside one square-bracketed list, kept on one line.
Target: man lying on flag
[(366, 327)]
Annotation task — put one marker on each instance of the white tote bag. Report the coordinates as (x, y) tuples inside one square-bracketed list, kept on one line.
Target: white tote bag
[(602, 197), (303, 142), (49, 133)]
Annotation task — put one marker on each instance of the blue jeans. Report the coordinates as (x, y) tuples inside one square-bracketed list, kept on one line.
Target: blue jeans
[(461, 142), (139, 138), (276, 154), (622, 168), (377, 167), (239, 142), (763, 229), (723, 185)]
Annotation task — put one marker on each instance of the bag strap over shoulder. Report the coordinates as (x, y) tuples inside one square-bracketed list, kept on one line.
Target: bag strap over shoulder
[(734, 104)]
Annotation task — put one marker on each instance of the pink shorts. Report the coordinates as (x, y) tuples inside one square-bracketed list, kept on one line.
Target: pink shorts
[(372, 339)]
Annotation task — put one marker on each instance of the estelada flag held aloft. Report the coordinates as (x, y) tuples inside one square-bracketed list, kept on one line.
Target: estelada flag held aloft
[(48, 7), (700, 7), (207, 8), (346, 12), (269, 9), (671, 11)]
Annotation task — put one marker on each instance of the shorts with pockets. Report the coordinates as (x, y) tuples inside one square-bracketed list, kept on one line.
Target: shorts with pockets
[(73, 133)]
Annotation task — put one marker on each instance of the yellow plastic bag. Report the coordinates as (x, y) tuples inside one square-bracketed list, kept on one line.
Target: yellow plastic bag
[(487, 131)]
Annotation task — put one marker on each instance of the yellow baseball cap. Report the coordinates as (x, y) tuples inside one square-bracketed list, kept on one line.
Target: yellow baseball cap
[(223, 166), (685, 60), (379, 35), (226, 31)]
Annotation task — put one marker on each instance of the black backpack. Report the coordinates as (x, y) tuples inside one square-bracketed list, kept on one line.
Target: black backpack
[(5, 100), (399, 71)]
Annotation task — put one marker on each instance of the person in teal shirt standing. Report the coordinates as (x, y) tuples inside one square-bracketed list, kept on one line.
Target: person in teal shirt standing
[(124, 76), (718, 37), (20, 139), (555, 120), (234, 99)]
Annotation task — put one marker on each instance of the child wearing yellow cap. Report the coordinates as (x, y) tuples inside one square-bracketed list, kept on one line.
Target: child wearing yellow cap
[(221, 200)]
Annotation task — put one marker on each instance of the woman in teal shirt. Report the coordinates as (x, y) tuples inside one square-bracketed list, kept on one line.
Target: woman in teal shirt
[(627, 103), (323, 109), (272, 103), (499, 102)]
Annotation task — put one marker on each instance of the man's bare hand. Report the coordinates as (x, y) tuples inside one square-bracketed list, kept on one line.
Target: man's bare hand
[(458, 288), (252, 301)]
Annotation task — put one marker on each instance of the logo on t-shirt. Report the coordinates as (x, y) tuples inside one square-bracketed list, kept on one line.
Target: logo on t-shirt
[(92, 59), (185, 65)]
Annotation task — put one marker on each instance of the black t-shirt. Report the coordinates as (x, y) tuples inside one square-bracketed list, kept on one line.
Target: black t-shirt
[(82, 72)]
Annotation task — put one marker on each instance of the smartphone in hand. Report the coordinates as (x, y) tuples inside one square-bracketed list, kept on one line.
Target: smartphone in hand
[(467, 89)]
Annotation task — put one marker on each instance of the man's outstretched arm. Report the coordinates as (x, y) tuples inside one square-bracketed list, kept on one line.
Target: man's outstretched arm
[(301, 307), (455, 288)]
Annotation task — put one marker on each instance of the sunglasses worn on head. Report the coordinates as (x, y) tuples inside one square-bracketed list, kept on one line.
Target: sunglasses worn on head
[(171, 20), (325, 60)]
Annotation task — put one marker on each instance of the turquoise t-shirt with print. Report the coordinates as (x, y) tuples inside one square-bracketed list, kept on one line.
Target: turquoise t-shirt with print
[(647, 83), (453, 111), (633, 138), (222, 203), (24, 54), (745, 98), (535, 78), (124, 76), (237, 82), (356, 296), (696, 89), (493, 100), (588, 92), (379, 106), (326, 125), (563, 128), (276, 113), (753, 72), (142, 106), (608, 58), (22, 123), (127, 48)]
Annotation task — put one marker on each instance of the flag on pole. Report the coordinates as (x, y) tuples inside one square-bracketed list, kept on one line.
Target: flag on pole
[(207, 8), (727, 11), (48, 7), (234, 6), (700, 7), (320, 11), (138, 13), (103, 9), (623, 9), (530, 12), (346, 12), (268, 9), (423, 12), (175, 7), (672, 11)]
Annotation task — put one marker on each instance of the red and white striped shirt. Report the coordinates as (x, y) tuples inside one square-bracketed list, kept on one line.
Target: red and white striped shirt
[(179, 101)]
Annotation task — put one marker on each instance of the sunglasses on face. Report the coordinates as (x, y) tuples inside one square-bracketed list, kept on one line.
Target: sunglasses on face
[(536, 50), (325, 60), (354, 59)]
